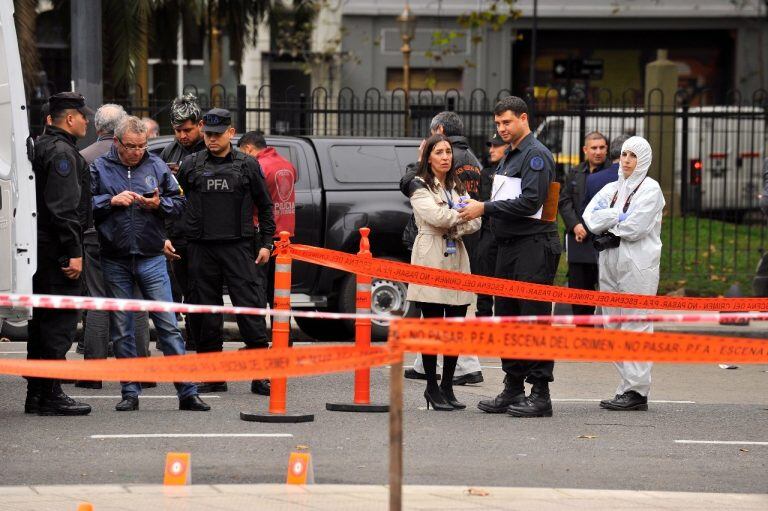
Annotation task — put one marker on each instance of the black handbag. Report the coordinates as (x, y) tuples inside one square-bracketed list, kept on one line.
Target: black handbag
[(409, 233)]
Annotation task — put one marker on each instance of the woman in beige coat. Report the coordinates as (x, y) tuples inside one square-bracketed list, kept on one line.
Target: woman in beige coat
[(438, 244)]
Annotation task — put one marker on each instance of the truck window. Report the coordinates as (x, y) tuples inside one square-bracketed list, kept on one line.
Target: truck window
[(406, 155), (365, 164), (551, 135)]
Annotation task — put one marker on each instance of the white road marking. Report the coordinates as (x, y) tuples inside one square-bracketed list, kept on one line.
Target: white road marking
[(196, 435), (720, 442), (142, 396)]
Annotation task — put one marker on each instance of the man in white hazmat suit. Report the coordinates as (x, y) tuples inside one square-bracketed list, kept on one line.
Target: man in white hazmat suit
[(627, 213)]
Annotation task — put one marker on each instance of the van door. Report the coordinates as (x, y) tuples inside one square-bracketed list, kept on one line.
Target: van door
[(18, 228)]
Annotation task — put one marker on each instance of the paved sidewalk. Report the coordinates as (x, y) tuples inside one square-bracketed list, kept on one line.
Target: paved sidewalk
[(369, 498)]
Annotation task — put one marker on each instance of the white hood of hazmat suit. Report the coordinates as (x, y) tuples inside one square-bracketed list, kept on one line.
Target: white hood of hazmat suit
[(633, 266)]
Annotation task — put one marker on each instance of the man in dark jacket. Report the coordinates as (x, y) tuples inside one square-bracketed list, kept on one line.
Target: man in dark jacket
[(467, 167), (582, 256), (133, 194), (96, 323), (597, 180), (187, 123), (62, 192)]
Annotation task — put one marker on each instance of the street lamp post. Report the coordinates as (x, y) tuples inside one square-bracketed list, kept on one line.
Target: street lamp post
[(407, 23)]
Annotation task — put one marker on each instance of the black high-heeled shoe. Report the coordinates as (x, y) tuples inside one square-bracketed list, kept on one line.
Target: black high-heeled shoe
[(437, 401), (450, 397)]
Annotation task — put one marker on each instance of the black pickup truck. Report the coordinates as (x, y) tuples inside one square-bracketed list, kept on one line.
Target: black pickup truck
[(344, 184)]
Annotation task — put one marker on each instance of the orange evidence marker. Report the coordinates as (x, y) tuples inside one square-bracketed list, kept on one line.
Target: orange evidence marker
[(300, 470), (178, 469), (85, 506)]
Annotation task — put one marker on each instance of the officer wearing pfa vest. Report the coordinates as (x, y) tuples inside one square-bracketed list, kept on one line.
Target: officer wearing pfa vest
[(528, 249), (222, 187), (62, 185)]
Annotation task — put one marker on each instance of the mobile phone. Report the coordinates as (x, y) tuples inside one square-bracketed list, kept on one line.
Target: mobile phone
[(148, 195)]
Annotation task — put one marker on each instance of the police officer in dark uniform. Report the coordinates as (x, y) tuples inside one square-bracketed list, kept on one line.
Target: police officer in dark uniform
[(62, 183), (222, 187), (528, 249)]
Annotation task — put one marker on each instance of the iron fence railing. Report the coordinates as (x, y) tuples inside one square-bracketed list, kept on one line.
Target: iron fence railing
[(708, 158)]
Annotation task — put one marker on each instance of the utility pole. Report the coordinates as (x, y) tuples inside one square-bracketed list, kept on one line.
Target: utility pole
[(85, 46)]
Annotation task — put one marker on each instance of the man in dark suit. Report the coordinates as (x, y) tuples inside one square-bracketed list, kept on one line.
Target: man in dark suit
[(582, 257)]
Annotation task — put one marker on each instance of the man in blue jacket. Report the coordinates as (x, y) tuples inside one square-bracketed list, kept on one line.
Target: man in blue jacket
[(133, 193)]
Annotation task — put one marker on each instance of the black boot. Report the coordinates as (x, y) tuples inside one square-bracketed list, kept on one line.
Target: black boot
[(538, 404), (53, 401), (212, 386), (193, 404), (261, 387), (88, 384), (32, 403), (630, 400), (128, 404), (513, 393)]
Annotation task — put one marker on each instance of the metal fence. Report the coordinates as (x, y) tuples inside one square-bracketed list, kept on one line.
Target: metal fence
[(707, 157)]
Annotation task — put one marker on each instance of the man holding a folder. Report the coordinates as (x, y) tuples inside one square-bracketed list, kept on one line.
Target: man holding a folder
[(522, 212)]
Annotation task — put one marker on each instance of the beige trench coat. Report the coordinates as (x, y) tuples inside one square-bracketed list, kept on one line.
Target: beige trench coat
[(434, 219)]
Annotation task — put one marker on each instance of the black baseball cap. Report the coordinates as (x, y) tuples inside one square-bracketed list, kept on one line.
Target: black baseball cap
[(66, 101), (217, 120), (495, 139)]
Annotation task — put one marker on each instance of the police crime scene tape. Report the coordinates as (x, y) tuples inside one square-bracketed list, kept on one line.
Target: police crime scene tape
[(414, 274), (116, 304), (544, 342), (525, 337), (230, 365), (498, 337)]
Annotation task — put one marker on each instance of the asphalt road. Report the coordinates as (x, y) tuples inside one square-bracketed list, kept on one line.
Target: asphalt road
[(580, 447)]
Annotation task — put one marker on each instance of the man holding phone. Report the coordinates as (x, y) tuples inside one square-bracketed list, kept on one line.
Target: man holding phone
[(133, 194), (187, 123)]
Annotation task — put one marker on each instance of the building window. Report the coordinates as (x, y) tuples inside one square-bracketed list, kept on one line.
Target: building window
[(442, 79)]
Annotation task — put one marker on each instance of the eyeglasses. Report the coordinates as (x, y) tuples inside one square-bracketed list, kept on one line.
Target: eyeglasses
[(131, 147)]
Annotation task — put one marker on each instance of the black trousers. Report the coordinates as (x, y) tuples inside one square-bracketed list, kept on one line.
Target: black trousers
[(485, 264), (582, 276), (51, 331), (210, 265), (532, 258), (179, 273)]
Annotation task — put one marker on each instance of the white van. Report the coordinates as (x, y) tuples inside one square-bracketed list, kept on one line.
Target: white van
[(722, 155), (18, 225)]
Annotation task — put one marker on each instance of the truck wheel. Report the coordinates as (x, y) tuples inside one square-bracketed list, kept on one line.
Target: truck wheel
[(388, 297)]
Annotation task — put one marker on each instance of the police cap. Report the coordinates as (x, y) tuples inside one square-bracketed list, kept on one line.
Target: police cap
[(67, 101), (217, 120), (495, 139)]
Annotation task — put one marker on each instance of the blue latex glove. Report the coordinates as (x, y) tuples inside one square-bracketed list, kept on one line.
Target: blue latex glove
[(623, 216), (600, 205)]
